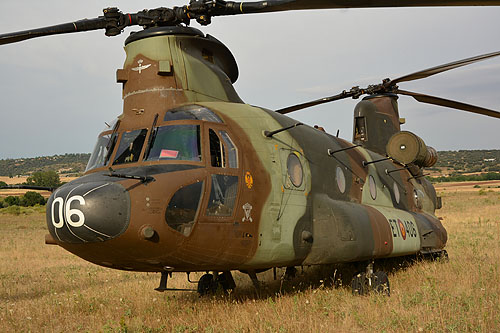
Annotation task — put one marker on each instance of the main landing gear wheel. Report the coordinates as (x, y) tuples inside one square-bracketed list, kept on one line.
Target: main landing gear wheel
[(208, 285), (380, 283), (442, 256), (358, 284), (365, 282)]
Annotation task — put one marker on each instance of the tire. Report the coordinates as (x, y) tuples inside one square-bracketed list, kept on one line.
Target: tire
[(225, 280), (380, 283), (206, 285), (359, 285)]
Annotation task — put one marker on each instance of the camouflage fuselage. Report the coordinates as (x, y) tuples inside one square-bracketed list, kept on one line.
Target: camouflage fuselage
[(331, 207)]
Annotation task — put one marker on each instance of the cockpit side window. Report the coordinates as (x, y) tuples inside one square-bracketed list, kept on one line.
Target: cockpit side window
[(232, 152), (182, 208), (130, 146), (102, 151), (222, 195), (217, 153), (175, 142)]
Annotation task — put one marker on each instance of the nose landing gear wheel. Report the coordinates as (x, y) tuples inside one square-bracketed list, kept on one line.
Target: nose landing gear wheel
[(207, 285)]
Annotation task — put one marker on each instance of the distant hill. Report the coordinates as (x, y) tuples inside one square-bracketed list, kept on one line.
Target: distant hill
[(449, 163), (62, 164), (467, 161)]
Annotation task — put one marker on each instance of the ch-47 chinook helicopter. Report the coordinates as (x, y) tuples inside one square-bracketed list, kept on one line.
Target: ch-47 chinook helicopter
[(191, 179)]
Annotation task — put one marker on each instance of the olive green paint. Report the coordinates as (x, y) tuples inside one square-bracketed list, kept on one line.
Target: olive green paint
[(197, 78), (285, 206)]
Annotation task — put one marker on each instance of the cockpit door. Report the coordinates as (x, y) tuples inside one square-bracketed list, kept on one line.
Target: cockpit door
[(224, 175)]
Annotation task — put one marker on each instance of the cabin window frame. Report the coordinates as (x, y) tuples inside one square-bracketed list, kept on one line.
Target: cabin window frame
[(119, 142), (284, 154)]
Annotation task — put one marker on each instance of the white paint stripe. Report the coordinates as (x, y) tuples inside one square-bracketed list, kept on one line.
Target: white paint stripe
[(74, 188), (83, 240), (55, 230), (65, 201), (149, 91), (65, 217), (95, 189), (97, 232)]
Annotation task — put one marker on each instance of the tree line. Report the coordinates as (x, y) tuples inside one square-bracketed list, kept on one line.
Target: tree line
[(28, 199), (41, 178), (466, 178)]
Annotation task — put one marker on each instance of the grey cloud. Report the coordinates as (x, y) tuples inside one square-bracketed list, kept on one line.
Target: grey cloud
[(63, 87)]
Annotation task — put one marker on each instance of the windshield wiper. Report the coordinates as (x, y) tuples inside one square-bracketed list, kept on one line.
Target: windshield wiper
[(151, 138), (144, 179)]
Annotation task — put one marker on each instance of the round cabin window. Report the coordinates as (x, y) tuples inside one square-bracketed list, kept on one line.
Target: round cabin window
[(419, 197), (340, 179), (397, 195), (373, 187), (294, 168)]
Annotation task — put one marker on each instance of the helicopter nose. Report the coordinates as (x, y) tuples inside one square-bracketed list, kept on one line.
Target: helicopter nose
[(88, 213)]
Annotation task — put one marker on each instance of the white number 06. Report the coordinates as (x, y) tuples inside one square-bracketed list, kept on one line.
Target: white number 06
[(65, 210)]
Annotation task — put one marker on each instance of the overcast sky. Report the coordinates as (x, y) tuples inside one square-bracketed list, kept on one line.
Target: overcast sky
[(57, 92)]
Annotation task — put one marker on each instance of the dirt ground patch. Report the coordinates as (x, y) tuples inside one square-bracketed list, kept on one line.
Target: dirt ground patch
[(13, 180), (490, 185), (20, 180)]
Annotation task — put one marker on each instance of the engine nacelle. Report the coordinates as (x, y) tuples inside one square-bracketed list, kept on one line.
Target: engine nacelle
[(408, 148)]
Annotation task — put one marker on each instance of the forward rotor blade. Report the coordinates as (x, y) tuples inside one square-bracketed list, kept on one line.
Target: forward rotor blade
[(342, 95), (283, 5), (442, 68), (449, 103), (114, 21), (82, 25)]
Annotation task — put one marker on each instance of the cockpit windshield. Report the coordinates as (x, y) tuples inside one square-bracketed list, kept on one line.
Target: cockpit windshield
[(175, 142), (130, 146), (193, 111), (102, 151)]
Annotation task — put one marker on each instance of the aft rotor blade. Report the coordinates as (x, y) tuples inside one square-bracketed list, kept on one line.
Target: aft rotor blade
[(283, 5), (82, 25), (389, 86), (442, 68), (449, 103)]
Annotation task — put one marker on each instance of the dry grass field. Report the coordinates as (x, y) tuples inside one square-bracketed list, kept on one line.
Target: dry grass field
[(44, 288), (489, 185), (20, 180)]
